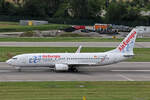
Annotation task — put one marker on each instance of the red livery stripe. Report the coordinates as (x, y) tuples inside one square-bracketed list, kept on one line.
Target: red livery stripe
[(124, 43)]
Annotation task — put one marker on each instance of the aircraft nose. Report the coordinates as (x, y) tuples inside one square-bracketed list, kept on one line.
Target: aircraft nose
[(9, 62)]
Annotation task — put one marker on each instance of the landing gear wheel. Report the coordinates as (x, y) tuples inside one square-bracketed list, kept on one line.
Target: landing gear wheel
[(73, 69), (52, 70)]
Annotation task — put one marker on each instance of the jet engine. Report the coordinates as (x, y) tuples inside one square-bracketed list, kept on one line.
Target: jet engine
[(61, 67)]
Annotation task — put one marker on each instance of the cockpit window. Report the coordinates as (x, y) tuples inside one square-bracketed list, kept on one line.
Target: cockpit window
[(14, 58)]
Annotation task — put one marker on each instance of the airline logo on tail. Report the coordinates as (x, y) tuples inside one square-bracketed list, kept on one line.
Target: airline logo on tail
[(125, 43)]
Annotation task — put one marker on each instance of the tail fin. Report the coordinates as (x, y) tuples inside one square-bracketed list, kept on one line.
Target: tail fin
[(127, 45)]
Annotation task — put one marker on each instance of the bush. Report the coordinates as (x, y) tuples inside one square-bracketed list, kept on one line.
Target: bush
[(71, 35), (30, 34)]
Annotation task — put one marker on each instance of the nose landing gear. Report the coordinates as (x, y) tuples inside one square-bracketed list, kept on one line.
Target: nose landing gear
[(18, 68)]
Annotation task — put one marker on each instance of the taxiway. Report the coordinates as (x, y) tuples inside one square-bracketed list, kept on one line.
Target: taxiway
[(70, 44), (125, 71)]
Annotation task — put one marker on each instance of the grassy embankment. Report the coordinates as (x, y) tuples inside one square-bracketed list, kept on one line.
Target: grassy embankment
[(15, 27), (74, 90), (141, 54)]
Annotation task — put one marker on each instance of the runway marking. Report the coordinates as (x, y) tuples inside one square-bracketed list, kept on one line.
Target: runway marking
[(125, 77), (130, 70)]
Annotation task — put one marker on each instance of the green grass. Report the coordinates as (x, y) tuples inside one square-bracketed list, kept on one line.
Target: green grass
[(141, 54), (2, 23), (15, 27), (68, 39), (74, 90)]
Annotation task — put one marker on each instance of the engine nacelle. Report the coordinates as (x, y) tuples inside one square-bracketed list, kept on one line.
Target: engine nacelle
[(61, 67)]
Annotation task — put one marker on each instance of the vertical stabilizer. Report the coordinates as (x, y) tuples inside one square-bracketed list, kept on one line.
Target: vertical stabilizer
[(127, 45)]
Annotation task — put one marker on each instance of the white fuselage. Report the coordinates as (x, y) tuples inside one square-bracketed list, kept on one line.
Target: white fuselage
[(51, 59)]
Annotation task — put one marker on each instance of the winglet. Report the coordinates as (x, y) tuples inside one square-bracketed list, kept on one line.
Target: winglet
[(79, 49)]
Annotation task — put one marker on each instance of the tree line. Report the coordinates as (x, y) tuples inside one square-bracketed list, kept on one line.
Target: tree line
[(104, 11)]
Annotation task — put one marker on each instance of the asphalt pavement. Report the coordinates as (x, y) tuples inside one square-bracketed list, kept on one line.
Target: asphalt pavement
[(70, 44), (124, 71)]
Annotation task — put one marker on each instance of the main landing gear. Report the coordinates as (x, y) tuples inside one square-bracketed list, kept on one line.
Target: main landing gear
[(73, 69)]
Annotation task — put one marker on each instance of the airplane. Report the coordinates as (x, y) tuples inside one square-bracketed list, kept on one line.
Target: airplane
[(71, 61)]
